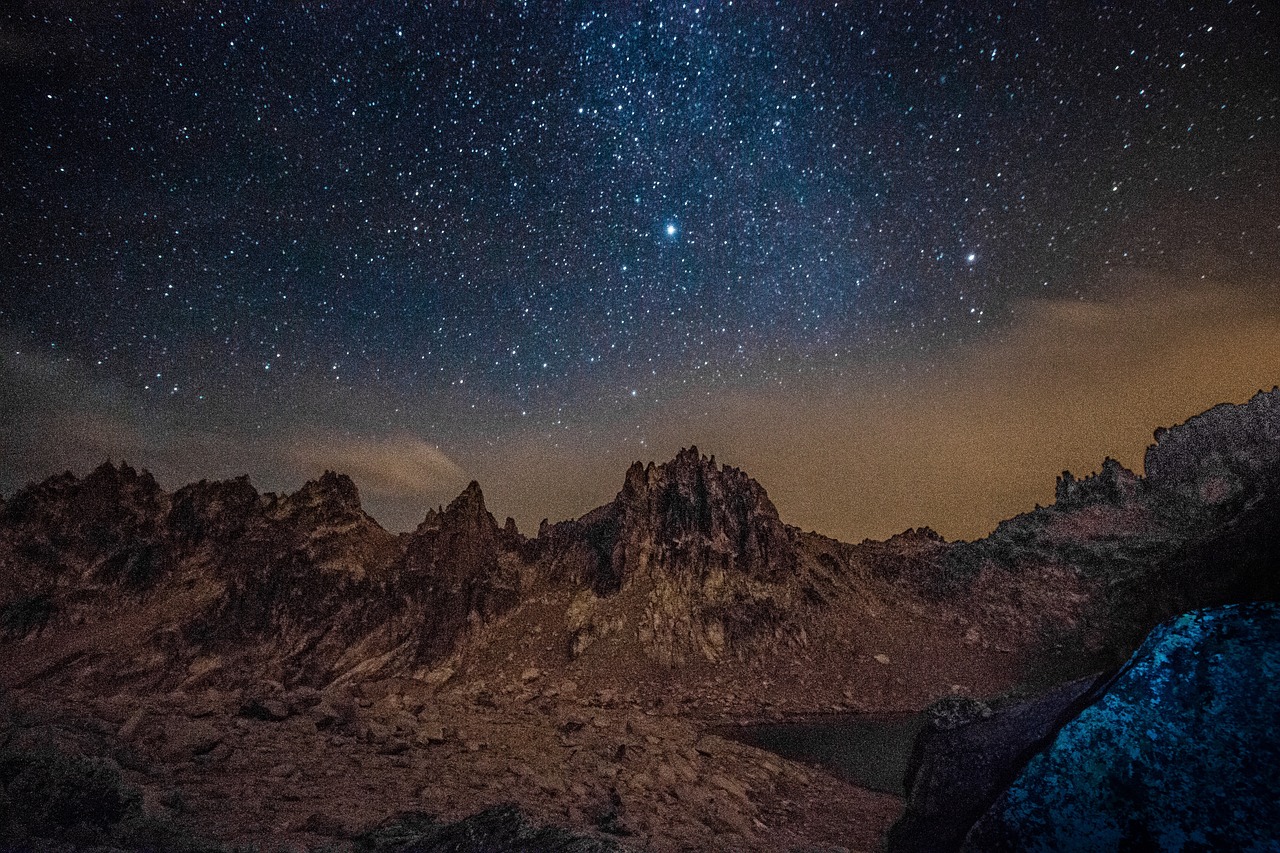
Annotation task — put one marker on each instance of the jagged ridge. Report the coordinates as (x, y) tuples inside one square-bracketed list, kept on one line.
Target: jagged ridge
[(690, 560)]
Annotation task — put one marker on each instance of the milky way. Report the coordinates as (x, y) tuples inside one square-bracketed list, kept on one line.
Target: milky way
[(460, 227)]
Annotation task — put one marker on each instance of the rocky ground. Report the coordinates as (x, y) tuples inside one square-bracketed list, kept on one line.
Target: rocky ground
[(307, 770)]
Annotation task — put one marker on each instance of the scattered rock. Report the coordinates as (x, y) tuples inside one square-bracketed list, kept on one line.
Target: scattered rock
[(324, 715), (131, 725), (302, 699), (320, 823), (186, 738), (395, 746), (430, 732), (499, 828), (258, 708)]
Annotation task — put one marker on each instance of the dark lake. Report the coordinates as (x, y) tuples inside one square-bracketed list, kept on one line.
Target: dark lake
[(871, 751)]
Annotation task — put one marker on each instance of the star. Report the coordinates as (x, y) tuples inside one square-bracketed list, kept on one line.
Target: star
[(419, 195)]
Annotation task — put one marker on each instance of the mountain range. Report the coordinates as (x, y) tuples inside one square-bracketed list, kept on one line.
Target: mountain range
[(216, 634)]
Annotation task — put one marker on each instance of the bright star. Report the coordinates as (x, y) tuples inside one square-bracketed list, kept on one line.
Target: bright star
[(971, 257), (671, 229)]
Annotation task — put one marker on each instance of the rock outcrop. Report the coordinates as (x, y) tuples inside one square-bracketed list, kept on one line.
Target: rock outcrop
[(498, 828), (1226, 453), (306, 587), (1182, 752), (968, 752), (458, 571), (704, 549), (1114, 484)]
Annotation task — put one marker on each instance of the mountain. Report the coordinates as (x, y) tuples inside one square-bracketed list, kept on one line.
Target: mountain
[(283, 626)]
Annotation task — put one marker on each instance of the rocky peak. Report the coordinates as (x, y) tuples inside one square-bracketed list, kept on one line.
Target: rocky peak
[(332, 488), (87, 537), (110, 505), (690, 508), (453, 568), (457, 542), (1220, 454), (1114, 484), (917, 536), (333, 498), (702, 544), (219, 509), (469, 507), (107, 491), (121, 478)]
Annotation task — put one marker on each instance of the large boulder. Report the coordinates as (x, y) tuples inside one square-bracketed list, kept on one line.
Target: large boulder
[(1182, 752), (967, 752)]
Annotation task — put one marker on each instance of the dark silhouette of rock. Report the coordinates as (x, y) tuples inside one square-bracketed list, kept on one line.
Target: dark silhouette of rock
[(1114, 484), (967, 753), (1181, 753), (495, 830)]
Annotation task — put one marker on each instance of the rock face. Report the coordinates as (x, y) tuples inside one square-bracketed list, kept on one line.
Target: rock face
[(690, 563), (464, 663), (455, 568), (967, 753), (1197, 530), (1181, 753), (299, 587), (703, 547), (85, 534), (1221, 454)]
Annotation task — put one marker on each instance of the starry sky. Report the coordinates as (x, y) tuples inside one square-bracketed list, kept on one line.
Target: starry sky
[(901, 261)]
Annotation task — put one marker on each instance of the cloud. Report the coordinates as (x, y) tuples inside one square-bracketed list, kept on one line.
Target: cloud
[(399, 466), (59, 415), (399, 476)]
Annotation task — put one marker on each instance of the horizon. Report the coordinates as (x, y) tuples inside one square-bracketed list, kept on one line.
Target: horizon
[(528, 526)]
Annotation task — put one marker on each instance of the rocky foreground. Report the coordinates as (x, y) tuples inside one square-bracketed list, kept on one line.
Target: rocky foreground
[(280, 669)]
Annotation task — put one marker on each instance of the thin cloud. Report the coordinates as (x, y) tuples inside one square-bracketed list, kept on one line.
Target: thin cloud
[(399, 466)]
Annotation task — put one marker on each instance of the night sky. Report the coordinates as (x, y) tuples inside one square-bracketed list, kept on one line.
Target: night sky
[(902, 262)]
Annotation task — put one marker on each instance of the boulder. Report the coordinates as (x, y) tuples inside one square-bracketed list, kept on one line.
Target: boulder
[(264, 708), (967, 752), (186, 738), (1182, 752)]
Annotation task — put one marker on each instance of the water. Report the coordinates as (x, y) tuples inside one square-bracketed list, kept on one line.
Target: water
[(871, 751)]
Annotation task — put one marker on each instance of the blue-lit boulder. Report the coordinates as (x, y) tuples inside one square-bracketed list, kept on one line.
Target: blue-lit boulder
[(1181, 753)]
